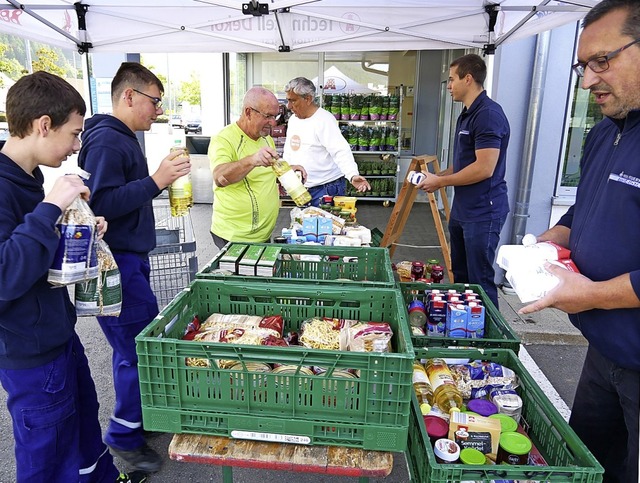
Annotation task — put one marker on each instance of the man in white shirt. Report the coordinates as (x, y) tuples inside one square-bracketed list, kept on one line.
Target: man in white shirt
[(315, 142)]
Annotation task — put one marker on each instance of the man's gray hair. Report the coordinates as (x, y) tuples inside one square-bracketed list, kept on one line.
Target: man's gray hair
[(302, 87)]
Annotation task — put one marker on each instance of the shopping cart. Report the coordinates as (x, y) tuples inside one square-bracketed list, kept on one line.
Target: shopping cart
[(174, 262)]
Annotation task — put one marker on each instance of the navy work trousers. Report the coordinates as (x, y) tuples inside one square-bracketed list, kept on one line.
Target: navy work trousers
[(605, 415), (54, 409), (473, 251), (336, 187), (139, 307)]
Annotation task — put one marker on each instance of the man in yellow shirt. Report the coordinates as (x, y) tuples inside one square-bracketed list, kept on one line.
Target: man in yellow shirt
[(245, 194)]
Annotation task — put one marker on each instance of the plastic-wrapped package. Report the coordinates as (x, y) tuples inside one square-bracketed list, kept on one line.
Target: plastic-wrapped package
[(103, 294), (75, 259)]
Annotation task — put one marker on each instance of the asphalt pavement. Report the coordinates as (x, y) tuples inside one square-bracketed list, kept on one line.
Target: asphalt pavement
[(552, 351)]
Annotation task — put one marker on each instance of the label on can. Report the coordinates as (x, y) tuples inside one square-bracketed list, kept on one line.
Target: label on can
[(415, 177)]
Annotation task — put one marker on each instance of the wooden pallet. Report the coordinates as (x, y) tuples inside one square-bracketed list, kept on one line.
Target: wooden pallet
[(330, 460)]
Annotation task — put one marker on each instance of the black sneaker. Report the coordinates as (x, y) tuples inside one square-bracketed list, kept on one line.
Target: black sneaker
[(141, 459), (133, 477)]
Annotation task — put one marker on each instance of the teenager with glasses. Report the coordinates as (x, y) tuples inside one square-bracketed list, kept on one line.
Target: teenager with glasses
[(602, 230), (245, 193), (122, 192), (314, 141)]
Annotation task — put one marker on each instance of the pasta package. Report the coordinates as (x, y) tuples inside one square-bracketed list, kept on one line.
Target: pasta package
[(322, 333), (216, 322), (103, 294), (75, 259), (369, 337)]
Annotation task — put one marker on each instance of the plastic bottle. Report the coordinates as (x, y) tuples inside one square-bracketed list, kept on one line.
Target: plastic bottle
[(422, 388), (180, 191), (445, 392), (290, 182)]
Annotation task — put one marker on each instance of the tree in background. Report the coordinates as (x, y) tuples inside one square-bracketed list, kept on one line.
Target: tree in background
[(190, 91), (48, 60), (8, 66)]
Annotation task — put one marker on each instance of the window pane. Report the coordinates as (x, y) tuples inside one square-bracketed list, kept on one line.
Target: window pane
[(585, 113)]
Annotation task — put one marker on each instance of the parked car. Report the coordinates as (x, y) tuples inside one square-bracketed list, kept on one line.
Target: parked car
[(194, 126), (176, 121)]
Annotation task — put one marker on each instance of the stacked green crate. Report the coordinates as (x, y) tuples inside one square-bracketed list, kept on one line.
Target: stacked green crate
[(497, 333), (349, 266), (369, 412)]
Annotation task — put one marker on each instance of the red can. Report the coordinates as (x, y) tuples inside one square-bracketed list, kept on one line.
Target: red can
[(327, 199)]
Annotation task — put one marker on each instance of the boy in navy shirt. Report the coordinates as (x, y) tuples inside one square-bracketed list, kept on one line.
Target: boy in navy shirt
[(51, 395)]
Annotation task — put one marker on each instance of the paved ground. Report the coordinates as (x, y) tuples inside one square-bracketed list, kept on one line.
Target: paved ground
[(553, 352)]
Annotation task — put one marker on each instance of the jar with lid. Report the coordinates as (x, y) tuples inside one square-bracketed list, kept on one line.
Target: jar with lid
[(437, 274), (446, 451), (417, 270)]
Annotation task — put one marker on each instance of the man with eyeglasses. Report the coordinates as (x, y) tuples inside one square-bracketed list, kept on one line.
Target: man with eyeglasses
[(245, 193), (314, 141), (122, 192), (602, 231)]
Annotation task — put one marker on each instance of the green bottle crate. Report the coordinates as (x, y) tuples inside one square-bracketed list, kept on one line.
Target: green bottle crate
[(569, 460), (497, 333), (371, 269), (371, 412)]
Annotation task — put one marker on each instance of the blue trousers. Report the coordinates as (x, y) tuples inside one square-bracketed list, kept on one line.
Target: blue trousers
[(473, 251), (605, 415), (336, 187), (139, 307), (54, 409)]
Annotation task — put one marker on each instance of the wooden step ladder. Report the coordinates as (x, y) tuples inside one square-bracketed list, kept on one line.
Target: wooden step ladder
[(404, 203)]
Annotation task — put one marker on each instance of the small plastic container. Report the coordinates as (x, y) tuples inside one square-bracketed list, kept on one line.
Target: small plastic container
[(507, 423), (446, 451), (437, 428), (471, 456), (513, 449), (483, 407)]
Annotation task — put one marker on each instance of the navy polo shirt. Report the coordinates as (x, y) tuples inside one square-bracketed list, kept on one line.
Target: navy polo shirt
[(483, 125)]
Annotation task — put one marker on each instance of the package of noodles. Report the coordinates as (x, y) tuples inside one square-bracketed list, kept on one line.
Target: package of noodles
[(75, 259), (101, 295), (368, 337), (217, 322)]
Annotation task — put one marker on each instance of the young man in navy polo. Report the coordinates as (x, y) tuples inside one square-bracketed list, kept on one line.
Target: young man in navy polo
[(480, 205)]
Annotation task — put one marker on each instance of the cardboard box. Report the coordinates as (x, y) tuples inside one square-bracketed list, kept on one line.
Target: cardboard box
[(268, 264), (229, 261), (325, 226), (310, 225), (247, 264)]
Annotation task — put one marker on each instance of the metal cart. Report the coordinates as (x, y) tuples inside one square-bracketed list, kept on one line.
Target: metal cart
[(174, 262)]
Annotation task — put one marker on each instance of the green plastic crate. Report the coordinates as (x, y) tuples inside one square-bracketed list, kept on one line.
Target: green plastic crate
[(371, 412), (372, 268), (497, 333), (568, 458)]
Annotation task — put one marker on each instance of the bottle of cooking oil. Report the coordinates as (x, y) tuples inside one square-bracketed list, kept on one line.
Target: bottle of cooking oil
[(422, 388), (290, 182), (180, 191), (445, 393)]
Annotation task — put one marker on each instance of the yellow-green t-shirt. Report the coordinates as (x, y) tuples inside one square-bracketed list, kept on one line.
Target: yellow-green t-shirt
[(246, 210)]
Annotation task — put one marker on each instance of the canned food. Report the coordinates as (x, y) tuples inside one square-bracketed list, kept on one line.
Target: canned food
[(291, 369), (251, 366), (415, 177), (417, 313)]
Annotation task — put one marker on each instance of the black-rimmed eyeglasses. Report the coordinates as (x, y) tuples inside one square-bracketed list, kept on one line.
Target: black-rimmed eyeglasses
[(601, 63), (156, 100), (268, 117)]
